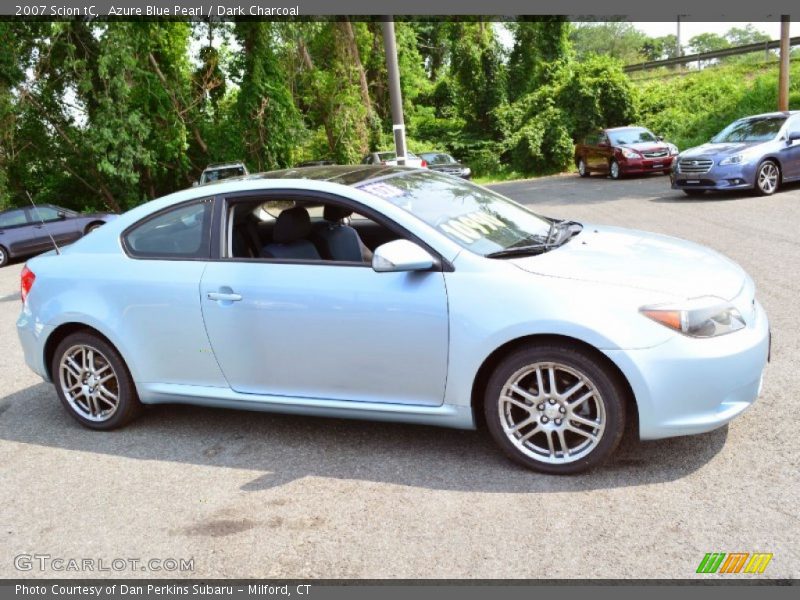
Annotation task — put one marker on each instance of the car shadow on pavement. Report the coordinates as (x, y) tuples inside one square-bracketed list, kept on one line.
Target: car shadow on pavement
[(287, 448)]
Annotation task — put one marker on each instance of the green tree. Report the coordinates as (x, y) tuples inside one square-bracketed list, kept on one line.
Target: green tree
[(615, 38), (541, 48)]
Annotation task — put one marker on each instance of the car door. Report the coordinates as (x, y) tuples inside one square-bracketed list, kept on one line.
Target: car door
[(52, 221), (16, 232), (327, 330), (790, 153)]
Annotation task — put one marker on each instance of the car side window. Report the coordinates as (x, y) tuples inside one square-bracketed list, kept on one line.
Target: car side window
[(591, 139), (13, 218), (183, 232), (45, 213)]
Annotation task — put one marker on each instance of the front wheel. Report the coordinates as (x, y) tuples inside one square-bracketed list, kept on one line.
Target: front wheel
[(582, 170), (768, 178), (3, 257), (613, 170), (555, 409), (93, 383)]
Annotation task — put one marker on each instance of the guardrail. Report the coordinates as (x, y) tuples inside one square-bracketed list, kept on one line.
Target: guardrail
[(689, 58)]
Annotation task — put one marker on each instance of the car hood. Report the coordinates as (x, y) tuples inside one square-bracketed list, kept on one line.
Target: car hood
[(637, 259), (647, 146), (708, 150)]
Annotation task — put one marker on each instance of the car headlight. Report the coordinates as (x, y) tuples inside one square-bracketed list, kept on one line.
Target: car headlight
[(673, 149), (466, 171), (703, 317), (627, 153), (736, 159)]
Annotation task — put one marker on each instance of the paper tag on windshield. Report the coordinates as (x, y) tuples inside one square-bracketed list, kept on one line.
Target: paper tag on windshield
[(383, 190)]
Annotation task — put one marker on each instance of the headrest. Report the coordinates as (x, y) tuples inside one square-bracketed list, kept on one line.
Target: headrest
[(334, 213), (291, 225)]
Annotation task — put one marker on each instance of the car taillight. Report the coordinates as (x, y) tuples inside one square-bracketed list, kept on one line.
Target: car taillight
[(424, 164), (26, 279)]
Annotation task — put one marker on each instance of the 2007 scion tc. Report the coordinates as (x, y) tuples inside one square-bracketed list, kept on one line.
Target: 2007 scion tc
[(398, 294)]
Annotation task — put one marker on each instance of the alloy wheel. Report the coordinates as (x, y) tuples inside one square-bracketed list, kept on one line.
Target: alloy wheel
[(614, 169), (581, 168), (768, 176), (552, 413), (89, 383)]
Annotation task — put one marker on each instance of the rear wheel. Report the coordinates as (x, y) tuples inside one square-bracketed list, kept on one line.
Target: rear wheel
[(613, 170), (768, 178), (92, 227), (3, 256), (694, 193), (582, 170), (555, 409), (93, 383)]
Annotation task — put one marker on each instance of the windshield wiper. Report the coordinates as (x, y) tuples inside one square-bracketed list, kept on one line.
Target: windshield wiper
[(520, 250)]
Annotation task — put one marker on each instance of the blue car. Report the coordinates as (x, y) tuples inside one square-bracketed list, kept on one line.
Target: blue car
[(757, 153), (31, 230), (396, 294)]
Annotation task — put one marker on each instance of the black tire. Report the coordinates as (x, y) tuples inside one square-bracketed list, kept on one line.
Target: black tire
[(613, 169), (694, 193), (583, 171), (91, 227), (667, 172), (3, 256), (128, 405), (610, 393), (760, 187)]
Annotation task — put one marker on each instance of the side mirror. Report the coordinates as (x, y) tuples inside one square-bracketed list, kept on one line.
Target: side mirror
[(61, 214), (660, 138), (195, 183), (401, 255), (793, 135)]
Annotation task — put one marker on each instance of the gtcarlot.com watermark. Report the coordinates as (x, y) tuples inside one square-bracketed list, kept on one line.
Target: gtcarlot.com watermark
[(62, 564)]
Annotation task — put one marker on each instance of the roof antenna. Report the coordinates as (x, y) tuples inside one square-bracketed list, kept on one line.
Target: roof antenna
[(36, 208)]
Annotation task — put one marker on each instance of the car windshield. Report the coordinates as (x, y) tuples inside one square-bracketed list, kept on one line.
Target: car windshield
[(223, 173), (436, 158), (476, 218), (761, 129), (634, 135)]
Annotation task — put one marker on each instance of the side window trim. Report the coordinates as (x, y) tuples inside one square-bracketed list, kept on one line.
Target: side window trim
[(209, 228)]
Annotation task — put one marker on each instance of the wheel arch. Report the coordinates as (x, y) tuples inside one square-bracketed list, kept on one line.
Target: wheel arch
[(90, 224), (61, 332), (484, 372)]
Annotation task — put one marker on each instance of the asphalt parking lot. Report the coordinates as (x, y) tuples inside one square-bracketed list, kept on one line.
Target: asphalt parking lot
[(260, 495)]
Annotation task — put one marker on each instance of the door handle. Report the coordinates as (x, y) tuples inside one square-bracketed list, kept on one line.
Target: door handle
[(224, 296)]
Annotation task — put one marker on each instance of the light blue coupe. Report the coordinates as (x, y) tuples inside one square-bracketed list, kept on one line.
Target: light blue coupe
[(396, 294)]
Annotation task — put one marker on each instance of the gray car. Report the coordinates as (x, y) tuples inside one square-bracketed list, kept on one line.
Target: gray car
[(26, 231), (758, 153)]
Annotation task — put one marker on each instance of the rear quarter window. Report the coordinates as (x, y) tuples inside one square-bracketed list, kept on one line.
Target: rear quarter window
[(180, 232)]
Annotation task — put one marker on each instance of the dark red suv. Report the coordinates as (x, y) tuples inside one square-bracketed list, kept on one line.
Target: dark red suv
[(624, 150)]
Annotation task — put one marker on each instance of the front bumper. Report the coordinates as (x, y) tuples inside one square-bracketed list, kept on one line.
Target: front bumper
[(632, 166), (720, 178), (687, 385)]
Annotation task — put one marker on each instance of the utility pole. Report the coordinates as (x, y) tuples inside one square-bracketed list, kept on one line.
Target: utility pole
[(393, 71), (783, 77), (679, 48)]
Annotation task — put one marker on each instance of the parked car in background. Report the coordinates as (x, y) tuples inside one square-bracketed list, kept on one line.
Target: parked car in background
[(390, 158), (26, 231), (758, 153), (622, 151), (445, 163), (258, 294), (220, 171)]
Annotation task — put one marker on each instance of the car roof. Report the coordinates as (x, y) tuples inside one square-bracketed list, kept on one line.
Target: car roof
[(623, 127), (782, 113)]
